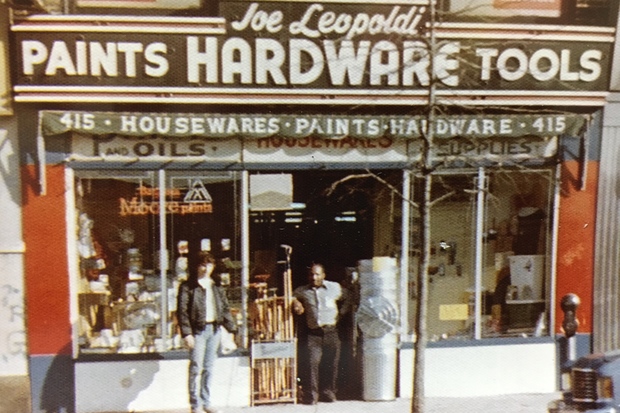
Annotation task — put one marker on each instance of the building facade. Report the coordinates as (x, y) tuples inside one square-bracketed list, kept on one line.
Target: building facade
[(148, 135), (13, 358)]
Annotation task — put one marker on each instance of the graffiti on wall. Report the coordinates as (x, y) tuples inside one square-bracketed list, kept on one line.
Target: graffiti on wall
[(12, 334)]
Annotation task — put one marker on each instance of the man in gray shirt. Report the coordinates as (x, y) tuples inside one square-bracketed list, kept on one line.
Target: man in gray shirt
[(321, 302)]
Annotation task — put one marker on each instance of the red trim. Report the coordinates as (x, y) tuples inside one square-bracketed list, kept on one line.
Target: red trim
[(47, 277), (577, 218)]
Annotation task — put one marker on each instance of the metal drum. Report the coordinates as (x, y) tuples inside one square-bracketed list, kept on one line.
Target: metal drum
[(377, 318)]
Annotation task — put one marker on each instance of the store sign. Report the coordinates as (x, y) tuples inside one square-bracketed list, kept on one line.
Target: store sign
[(491, 150), (317, 50), (270, 150), (140, 4), (275, 130), (193, 200), (539, 8), (278, 150)]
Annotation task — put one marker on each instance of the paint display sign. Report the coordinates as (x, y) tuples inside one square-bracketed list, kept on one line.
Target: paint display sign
[(195, 199)]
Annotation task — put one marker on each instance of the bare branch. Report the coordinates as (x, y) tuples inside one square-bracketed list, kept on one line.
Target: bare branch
[(369, 174)]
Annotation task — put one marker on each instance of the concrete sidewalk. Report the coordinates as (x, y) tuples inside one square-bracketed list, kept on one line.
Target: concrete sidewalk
[(516, 403)]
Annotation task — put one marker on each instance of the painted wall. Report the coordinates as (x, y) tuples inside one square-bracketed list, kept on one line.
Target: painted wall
[(577, 219), (483, 370), (12, 331), (47, 292), (147, 386)]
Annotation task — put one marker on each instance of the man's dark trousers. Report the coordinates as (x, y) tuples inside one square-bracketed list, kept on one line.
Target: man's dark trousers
[(323, 357)]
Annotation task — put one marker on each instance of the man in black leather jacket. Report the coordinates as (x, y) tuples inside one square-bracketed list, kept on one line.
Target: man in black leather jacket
[(202, 307)]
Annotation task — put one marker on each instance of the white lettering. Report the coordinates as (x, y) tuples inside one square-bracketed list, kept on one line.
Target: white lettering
[(130, 49), (236, 59), (60, 59), (154, 54), (351, 25), (346, 62), (552, 68), (33, 53), (297, 47), (388, 52), (105, 59), (270, 56), (512, 73), (590, 61), (196, 59), (445, 61), (485, 64)]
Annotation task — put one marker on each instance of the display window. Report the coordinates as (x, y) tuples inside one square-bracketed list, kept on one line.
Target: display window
[(138, 236), (490, 270)]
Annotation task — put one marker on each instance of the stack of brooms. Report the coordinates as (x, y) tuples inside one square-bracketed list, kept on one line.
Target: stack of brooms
[(275, 379)]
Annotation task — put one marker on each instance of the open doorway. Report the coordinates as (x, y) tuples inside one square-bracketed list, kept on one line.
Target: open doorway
[(335, 218), (331, 220)]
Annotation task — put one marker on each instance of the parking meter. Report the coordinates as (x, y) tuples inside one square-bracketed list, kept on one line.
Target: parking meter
[(569, 305)]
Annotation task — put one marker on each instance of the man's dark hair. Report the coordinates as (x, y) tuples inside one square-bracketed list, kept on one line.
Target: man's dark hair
[(316, 264), (205, 257)]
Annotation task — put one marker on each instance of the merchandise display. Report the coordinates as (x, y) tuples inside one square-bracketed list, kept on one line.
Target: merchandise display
[(127, 301)]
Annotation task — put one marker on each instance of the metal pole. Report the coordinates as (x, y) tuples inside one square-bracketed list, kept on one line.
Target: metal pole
[(245, 255), (163, 257), (554, 248), (404, 255), (478, 263)]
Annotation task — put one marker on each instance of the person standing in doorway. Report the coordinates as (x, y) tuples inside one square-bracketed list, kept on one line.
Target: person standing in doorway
[(202, 307), (322, 302)]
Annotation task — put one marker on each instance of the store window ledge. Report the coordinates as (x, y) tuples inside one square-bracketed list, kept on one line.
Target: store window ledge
[(168, 355), (493, 341)]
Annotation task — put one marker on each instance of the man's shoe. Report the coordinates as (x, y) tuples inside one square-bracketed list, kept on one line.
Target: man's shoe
[(308, 402), (211, 410), (328, 397)]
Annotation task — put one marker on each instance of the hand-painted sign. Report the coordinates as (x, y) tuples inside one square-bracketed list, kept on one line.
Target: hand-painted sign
[(308, 129), (313, 52), (196, 200), (281, 139)]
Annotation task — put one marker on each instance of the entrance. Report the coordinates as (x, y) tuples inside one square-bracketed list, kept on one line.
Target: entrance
[(330, 221), (335, 218)]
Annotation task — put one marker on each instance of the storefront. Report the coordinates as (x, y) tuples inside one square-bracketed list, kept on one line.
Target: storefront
[(257, 155)]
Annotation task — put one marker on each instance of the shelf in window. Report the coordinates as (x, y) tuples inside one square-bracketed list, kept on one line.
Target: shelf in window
[(524, 301)]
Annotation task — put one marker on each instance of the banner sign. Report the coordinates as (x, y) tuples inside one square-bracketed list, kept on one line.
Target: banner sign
[(308, 130), (315, 151), (492, 150), (299, 49)]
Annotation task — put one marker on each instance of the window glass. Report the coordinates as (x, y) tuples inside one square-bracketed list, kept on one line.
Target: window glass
[(128, 277), (516, 253), (508, 276)]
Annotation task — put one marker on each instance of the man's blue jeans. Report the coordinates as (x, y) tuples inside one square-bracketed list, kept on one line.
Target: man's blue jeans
[(202, 360)]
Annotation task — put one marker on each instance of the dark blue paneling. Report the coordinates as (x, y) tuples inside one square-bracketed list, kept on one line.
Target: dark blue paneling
[(570, 146), (52, 383)]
